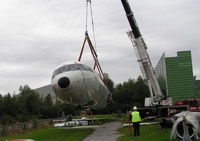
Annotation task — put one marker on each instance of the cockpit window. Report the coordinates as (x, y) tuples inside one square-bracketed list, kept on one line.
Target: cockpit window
[(71, 67)]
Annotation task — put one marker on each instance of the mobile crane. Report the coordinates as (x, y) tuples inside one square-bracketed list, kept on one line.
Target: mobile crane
[(156, 97)]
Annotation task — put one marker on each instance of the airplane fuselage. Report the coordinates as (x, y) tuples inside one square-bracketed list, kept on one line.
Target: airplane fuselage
[(79, 85)]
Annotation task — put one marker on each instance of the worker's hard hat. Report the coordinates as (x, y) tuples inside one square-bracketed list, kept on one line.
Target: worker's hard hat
[(134, 108)]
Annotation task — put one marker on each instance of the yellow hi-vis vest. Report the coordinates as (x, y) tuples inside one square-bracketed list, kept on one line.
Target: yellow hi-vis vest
[(136, 116)]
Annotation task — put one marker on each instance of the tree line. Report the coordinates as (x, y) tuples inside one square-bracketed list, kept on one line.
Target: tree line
[(28, 105), (126, 95)]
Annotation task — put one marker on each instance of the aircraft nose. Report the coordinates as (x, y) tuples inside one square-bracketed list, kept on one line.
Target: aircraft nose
[(63, 82)]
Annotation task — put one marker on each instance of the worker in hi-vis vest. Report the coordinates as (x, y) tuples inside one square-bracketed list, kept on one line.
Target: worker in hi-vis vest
[(136, 119)]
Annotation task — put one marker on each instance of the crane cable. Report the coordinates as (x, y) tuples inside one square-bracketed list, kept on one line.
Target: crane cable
[(86, 25)]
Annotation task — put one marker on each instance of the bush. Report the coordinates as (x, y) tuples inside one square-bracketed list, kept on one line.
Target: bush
[(7, 119), (20, 118), (4, 131)]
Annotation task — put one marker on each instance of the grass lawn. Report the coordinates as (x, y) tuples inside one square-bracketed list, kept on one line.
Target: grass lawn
[(152, 132), (53, 134)]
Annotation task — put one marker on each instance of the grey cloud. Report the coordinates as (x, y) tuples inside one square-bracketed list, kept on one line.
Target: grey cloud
[(36, 36)]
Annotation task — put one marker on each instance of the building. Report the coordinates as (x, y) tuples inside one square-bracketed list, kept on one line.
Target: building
[(175, 75), (46, 90), (197, 87)]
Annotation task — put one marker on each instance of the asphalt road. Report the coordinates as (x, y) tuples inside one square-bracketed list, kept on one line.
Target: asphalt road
[(106, 132)]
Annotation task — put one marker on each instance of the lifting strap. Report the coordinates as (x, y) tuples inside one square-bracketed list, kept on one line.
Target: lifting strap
[(86, 23), (94, 55), (93, 49)]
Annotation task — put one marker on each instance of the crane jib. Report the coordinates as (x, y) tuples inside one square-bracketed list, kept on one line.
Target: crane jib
[(131, 19)]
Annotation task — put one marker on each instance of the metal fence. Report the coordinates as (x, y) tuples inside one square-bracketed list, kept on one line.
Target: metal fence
[(22, 127)]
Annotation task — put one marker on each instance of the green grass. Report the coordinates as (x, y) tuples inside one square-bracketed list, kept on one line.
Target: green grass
[(53, 134), (152, 132)]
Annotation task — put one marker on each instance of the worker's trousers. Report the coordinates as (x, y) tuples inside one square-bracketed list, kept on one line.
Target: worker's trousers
[(136, 126)]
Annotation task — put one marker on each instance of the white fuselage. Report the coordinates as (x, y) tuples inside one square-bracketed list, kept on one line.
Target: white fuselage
[(79, 85)]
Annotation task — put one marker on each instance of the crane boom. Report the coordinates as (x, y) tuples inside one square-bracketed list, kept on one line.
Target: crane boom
[(143, 57)]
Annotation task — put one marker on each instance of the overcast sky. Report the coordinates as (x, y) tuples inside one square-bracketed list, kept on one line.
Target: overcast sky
[(38, 35)]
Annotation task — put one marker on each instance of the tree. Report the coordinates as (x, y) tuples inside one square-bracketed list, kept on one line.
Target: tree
[(28, 101), (32, 103), (10, 106), (47, 109), (124, 94), (142, 91), (108, 82), (1, 104), (129, 94), (48, 101), (9, 109)]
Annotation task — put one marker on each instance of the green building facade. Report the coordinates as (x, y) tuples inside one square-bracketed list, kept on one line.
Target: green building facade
[(175, 75), (197, 87)]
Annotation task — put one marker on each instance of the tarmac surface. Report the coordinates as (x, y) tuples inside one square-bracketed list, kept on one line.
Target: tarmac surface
[(106, 132)]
